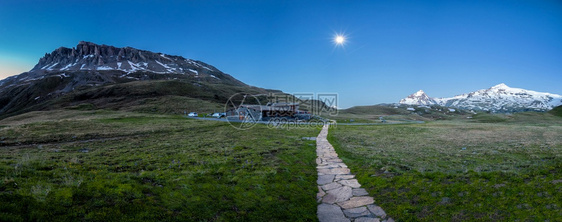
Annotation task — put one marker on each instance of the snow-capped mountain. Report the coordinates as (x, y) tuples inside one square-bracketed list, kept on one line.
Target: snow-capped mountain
[(90, 56), (499, 98), (68, 70), (418, 98), (92, 64), (109, 64)]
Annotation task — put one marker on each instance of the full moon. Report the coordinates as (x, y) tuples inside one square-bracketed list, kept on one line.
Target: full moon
[(339, 39)]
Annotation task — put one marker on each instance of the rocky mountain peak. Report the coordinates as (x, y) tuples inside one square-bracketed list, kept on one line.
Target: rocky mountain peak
[(419, 93), (90, 64), (500, 86), (418, 98), (91, 56)]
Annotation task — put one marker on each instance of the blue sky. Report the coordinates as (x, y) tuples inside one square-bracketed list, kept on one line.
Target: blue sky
[(393, 48)]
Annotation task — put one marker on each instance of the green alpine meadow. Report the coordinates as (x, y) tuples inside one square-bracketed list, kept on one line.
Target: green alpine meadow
[(280, 110)]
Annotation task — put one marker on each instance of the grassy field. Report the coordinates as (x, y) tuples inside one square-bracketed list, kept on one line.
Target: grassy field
[(74, 165), (488, 168), (394, 114), (100, 165)]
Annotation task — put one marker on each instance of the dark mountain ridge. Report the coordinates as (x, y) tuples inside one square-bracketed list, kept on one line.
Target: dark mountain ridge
[(92, 73), (87, 56)]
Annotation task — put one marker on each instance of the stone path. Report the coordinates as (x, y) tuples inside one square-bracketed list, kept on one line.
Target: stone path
[(340, 196)]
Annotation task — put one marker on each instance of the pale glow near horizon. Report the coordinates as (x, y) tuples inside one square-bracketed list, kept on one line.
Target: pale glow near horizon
[(11, 66)]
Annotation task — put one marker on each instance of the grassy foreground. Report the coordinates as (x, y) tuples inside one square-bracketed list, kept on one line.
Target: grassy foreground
[(116, 166), (490, 168)]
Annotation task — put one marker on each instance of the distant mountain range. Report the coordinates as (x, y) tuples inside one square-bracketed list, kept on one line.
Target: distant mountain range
[(499, 98)]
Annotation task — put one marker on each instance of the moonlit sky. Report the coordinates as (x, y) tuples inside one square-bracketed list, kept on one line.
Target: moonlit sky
[(392, 48)]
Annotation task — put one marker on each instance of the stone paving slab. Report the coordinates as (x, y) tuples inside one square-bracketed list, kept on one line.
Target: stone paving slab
[(325, 179), (333, 171), (344, 177), (359, 192), (353, 183), (332, 186), (367, 219), (340, 195), (378, 211), (354, 202), (331, 213), (356, 212)]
